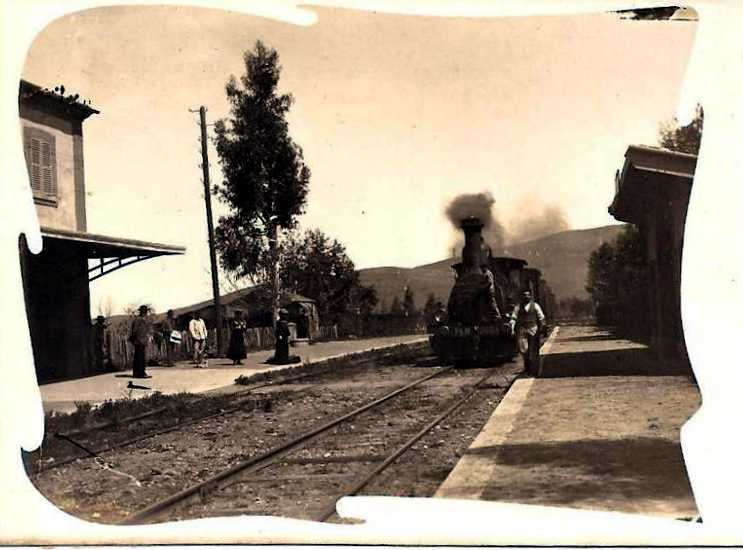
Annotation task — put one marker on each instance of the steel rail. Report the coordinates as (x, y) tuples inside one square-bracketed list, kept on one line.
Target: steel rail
[(331, 509), (266, 458), (81, 431), (249, 389)]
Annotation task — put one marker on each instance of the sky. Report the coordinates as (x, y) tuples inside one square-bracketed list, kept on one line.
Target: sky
[(396, 115)]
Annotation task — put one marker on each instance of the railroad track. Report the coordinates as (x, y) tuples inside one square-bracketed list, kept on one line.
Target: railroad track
[(245, 471), (76, 437), (262, 460)]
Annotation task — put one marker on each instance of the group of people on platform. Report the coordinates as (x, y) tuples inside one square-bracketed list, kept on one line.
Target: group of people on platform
[(526, 320), (141, 333)]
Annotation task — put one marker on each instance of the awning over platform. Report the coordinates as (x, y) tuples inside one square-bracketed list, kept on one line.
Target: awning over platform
[(112, 253)]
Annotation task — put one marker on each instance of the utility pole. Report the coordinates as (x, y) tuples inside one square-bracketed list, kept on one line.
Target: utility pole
[(210, 228)]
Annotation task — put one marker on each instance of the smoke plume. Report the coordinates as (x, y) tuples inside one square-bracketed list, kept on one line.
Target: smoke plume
[(532, 223), (479, 205), (539, 224)]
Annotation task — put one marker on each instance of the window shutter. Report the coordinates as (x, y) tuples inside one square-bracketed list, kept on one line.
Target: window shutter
[(35, 167), (41, 162), (47, 174)]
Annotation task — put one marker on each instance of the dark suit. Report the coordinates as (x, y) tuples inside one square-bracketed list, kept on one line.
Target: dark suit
[(140, 335)]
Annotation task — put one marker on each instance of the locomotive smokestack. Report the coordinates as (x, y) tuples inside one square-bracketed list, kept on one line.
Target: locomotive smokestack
[(472, 228)]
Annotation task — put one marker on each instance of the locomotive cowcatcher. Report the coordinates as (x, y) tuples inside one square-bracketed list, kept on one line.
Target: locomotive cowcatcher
[(475, 329)]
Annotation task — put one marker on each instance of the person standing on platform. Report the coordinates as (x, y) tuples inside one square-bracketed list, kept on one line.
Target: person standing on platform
[(527, 321), (236, 351), (99, 343), (197, 328), (281, 354), (140, 337), (167, 328)]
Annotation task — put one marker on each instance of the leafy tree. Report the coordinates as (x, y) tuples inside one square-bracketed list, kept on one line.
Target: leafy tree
[(617, 283), (265, 179), (631, 280), (396, 307), (548, 299), (581, 308), (364, 299), (600, 283), (431, 306), (684, 139), (408, 302), (576, 308), (318, 267)]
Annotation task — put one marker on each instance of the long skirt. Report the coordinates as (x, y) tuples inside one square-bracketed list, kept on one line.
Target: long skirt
[(139, 361), (281, 354), (237, 351)]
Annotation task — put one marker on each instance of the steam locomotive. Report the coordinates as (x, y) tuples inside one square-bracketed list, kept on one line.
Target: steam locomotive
[(475, 328)]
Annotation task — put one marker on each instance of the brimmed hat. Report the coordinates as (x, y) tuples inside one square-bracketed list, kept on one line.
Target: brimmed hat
[(143, 308)]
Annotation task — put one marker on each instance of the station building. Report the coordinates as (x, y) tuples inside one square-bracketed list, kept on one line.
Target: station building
[(56, 281), (652, 193)]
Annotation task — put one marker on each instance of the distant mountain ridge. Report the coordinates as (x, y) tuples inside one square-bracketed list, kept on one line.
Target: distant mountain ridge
[(562, 257)]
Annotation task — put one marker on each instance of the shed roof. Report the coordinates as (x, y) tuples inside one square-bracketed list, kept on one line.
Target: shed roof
[(231, 298), (648, 171)]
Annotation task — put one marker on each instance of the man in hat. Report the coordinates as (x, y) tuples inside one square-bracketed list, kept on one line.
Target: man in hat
[(167, 327), (527, 321), (199, 334), (140, 336), (281, 354)]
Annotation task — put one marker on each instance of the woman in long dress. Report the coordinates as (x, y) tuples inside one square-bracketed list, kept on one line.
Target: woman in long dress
[(237, 351)]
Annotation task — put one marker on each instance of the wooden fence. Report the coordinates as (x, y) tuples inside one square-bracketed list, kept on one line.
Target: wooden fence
[(120, 351)]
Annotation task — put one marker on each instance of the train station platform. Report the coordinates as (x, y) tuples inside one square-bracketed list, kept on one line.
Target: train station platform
[(184, 377), (596, 434)]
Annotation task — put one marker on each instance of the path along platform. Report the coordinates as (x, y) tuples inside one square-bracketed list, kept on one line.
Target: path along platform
[(604, 442), (184, 377)]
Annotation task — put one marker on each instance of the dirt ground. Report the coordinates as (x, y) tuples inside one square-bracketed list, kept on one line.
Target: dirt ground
[(609, 443), (126, 480)]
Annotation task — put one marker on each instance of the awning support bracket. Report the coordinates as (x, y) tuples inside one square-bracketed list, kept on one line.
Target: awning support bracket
[(114, 264)]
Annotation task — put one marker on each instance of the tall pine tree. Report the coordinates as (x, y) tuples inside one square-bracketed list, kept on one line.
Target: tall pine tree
[(265, 180)]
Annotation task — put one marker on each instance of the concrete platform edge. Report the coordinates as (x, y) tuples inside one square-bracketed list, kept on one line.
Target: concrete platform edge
[(468, 478), (338, 357)]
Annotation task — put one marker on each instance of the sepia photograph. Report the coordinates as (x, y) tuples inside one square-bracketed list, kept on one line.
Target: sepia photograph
[(430, 258)]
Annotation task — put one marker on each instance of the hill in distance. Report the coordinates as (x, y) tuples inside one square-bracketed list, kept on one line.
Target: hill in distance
[(562, 257)]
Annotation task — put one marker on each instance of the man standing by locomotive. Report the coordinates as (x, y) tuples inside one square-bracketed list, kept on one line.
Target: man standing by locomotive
[(527, 321)]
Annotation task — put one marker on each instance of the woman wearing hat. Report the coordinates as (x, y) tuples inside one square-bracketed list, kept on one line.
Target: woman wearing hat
[(281, 355), (236, 351)]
